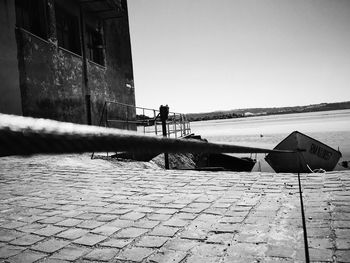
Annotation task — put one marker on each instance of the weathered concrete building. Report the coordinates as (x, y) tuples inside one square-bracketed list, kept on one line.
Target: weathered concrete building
[(62, 59)]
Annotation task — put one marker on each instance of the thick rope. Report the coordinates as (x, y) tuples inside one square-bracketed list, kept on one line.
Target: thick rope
[(25, 136)]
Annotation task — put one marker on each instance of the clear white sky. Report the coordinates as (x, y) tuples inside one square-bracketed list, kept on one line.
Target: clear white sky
[(207, 55)]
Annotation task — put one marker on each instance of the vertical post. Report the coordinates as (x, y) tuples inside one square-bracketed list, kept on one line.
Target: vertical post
[(181, 125), (175, 125), (144, 121), (86, 90), (127, 117), (164, 112), (155, 121)]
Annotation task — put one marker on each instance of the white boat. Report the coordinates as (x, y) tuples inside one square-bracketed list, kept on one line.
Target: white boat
[(310, 155)]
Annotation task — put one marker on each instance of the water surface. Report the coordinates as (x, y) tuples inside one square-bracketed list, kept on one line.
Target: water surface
[(329, 127)]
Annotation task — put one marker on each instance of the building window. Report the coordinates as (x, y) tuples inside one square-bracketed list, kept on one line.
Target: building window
[(31, 15), (95, 46), (67, 27)]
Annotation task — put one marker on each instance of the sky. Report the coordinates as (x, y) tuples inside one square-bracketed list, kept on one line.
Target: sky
[(209, 55)]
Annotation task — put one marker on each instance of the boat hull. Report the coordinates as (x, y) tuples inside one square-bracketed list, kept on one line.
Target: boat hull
[(230, 163), (311, 155)]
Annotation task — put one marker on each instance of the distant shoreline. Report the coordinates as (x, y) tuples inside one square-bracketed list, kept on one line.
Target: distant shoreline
[(252, 112)]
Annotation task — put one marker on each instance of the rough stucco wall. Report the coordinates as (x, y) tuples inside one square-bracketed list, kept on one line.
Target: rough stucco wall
[(119, 71), (99, 90), (10, 99), (50, 80)]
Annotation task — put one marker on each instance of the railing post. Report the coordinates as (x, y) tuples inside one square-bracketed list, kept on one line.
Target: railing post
[(155, 121), (175, 125), (164, 112), (181, 125), (144, 121)]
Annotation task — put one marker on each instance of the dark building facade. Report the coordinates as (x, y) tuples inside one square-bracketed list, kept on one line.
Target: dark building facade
[(62, 59)]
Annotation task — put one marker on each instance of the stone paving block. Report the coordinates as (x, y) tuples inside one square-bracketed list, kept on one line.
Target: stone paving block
[(49, 231), (131, 232), (192, 210), (215, 211), (341, 224), (247, 249), (343, 243), (27, 240), (52, 220), (89, 239), (225, 238), (73, 233), (117, 243), (166, 211), (342, 233), (7, 235), (101, 254), (133, 216), (70, 253), (106, 230), (168, 256), (186, 216), (90, 224), (201, 259), (319, 232), (9, 251), (225, 228), (152, 241), (13, 225), (320, 243), (145, 223), (231, 219), (321, 254), (343, 255), (135, 254), (194, 234), (159, 217), (69, 222), (86, 216), (280, 251), (209, 250), (175, 222), (32, 219), (27, 256), (106, 218), (164, 231), (120, 211), (122, 223), (50, 245)]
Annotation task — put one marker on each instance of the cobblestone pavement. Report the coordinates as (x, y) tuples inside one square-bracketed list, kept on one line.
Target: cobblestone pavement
[(70, 208)]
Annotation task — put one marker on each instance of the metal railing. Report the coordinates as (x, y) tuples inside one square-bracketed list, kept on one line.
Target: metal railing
[(144, 120)]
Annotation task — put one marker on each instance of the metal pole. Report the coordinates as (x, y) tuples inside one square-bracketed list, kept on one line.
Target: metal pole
[(144, 123), (155, 121), (164, 111)]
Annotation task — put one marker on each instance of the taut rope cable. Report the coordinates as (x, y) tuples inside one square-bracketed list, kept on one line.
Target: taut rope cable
[(26, 135), (306, 246)]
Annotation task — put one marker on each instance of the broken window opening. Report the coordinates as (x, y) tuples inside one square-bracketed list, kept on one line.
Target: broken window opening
[(95, 46), (31, 16), (67, 27)]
